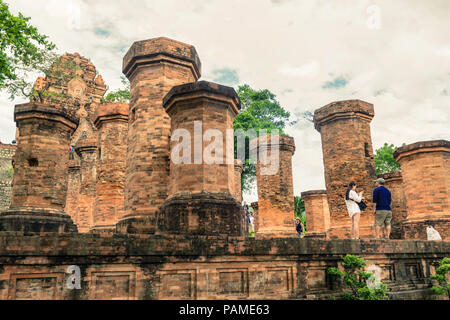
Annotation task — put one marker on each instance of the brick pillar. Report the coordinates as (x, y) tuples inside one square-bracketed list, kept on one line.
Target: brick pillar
[(86, 149), (426, 182), (317, 213), (111, 121), (344, 127), (73, 188), (238, 167), (394, 182), (275, 189), (153, 67), (40, 170), (201, 197), (255, 216)]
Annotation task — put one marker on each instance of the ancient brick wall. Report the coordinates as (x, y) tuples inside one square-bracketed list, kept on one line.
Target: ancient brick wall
[(112, 122), (275, 189), (182, 267), (317, 213), (6, 171), (394, 182), (237, 180), (426, 176), (153, 67), (73, 187), (347, 150)]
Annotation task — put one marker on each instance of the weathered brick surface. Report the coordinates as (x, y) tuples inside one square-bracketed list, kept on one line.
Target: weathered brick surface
[(201, 189), (73, 187), (6, 154), (237, 180), (275, 191), (426, 175), (255, 216), (394, 182), (317, 213), (344, 127), (40, 169), (153, 67), (111, 121), (200, 267)]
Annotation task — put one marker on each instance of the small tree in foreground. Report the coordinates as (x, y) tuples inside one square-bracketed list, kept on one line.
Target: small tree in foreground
[(355, 280), (442, 272)]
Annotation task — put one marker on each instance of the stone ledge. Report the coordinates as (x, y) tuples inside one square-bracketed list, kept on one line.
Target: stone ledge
[(422, 146)]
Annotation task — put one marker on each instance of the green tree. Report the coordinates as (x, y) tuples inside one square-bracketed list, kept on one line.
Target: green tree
[(299, 210), (260, 110), (442, 274), (23, 50), (119, 95), (384, 159), (355, 279)]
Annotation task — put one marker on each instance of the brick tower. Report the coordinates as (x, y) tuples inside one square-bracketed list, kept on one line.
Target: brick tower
[(153, 67), (87, 150), (317, 213), (275, 189), (426, 182), (201, 199), (344, 127), (40, 170), (111, 121)]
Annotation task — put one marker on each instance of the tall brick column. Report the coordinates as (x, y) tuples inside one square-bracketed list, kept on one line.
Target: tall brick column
[(40, 170), (86, 149), (317, 213), (238, 167), (275, 191), (153, 67), (201, 197), (344, 127), (111, 121), (255, 216), (73, 187), (394, 182), (426, 182)]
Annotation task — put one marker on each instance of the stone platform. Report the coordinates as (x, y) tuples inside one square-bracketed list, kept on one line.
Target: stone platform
[(117, 266)]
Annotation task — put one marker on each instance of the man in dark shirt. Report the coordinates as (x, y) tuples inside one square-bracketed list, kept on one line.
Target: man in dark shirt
[(382, 210)]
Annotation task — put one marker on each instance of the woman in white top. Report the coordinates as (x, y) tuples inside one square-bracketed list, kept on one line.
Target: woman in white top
[(351, 200)]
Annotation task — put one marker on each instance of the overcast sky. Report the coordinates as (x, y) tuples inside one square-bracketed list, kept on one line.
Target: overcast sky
[(394, 54)]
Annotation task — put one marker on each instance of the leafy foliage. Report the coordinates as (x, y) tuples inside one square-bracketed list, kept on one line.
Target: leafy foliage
[(259, 110), (384, 159), (355, 280), (22, 50), (299, 210), (119, 95), (442, 274)]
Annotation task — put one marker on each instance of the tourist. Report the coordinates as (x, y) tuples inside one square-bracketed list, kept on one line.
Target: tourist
[(299, 227), (432, 233), (351, 200), (382, 210)]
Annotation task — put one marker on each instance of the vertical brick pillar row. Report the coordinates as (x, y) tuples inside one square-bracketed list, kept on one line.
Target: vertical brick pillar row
[(238, 167), (317, 213), (40, 170), (153, 67)]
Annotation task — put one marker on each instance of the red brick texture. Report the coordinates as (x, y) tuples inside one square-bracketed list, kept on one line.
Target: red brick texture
[(426, 176), (238, 167), (73, 187), (275, 191), (87, 151), (153, 67), (344, 127), (317, 213), (40, 170), (394, 182), (201, 190), (111, 120)]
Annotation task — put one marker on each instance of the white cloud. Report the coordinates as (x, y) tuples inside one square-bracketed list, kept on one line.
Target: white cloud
[(289, 47)]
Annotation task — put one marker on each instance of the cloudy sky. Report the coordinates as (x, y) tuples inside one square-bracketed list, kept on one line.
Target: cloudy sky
[(394, 54)]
